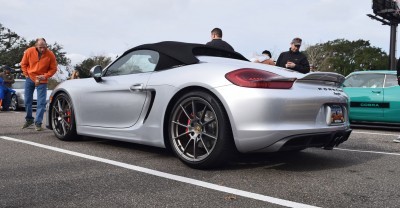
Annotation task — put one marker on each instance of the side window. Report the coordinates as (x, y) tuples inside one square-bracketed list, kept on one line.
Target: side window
[(365, 80), (134, 62), (391, 80)]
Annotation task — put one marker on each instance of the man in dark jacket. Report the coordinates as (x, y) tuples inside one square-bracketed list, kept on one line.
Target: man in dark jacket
[(294, 59), (216, 40), (397, 140), (398, 71)]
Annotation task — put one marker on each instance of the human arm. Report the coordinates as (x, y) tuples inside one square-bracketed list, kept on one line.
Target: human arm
[(280, 60), (25, 64), (303, 66)]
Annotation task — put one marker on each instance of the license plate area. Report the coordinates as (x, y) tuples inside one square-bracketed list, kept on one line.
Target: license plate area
[(334, 114)]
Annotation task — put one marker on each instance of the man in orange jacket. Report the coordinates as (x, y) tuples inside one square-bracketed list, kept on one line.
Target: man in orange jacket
[(38, 65)]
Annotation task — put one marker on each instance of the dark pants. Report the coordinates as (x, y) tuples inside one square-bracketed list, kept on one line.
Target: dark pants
[(6, 101)]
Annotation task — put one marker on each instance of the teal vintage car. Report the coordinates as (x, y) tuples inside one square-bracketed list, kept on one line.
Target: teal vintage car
[(374, 97)]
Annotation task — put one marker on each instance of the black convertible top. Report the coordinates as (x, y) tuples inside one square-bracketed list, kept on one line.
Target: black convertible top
[(180, 53)]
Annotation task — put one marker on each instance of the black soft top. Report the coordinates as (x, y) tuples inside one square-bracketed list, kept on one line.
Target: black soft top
[(179, 53)]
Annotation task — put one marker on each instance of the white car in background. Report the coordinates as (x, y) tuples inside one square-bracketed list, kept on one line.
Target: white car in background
[(18, 98)]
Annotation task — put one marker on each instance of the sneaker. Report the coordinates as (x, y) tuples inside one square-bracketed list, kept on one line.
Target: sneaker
[(397, 140), (27, 124), (38, 127)]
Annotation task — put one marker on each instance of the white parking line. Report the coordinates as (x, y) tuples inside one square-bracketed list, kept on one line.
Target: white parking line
[(182, 179), (365, 132), (365, 151)]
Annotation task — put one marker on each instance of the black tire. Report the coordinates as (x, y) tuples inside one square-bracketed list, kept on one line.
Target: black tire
[(63, 118), (199, 131), (14, 103)]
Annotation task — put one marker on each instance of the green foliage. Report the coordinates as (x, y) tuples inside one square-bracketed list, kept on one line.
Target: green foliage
[(344, 56), (12, 48), (87, 64)]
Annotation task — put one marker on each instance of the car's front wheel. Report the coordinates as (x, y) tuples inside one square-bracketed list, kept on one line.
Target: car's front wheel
[(199, 131), (63, 118), (14, 103)]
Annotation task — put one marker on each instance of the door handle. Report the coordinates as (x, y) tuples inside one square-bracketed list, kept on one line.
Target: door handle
[(376, 91), (136, 87)]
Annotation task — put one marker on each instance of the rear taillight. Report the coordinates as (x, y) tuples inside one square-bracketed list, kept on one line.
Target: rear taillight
[(256, 78)]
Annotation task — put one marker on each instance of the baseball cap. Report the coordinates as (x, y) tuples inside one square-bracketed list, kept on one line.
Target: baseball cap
[(7, 68), (296, 41)]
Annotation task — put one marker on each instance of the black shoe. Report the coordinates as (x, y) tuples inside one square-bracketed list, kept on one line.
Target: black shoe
[(38, 127), (27, 124)]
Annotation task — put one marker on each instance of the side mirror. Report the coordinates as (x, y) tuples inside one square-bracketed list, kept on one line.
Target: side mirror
[(95, 72)]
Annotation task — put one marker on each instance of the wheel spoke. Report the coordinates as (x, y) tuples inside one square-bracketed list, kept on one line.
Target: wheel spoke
[(203, 113), (187, 144), (63, 126), (183, 134), (59, 106), (56, 109), (194, 148), (177, 123), (208, 122), (204, 145), (187, 115), (210, 136), (194, 110)]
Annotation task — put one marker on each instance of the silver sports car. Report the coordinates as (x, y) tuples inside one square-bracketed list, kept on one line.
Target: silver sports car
[(202, 102)]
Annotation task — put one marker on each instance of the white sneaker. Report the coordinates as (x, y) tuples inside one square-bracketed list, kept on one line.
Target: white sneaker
[(397, 140)]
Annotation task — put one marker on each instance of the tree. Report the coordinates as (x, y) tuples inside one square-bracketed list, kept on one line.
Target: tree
[(87, 64), (317, 57), (12, 48), (344, 56)]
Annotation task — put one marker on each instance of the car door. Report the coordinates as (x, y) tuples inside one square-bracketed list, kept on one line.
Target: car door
[(392, 97), (117, 101), (365, 92)]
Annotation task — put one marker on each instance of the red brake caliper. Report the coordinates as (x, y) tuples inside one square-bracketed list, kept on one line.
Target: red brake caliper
[(188, 123), (68, 113)]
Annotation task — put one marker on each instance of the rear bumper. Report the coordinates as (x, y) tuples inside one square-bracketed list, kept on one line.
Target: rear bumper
[(326, 140)]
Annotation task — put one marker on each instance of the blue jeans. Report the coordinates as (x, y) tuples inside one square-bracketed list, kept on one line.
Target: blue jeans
[(6, 100), (41, 101)]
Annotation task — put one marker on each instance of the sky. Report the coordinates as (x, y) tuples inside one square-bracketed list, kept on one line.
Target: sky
[(87, 28)]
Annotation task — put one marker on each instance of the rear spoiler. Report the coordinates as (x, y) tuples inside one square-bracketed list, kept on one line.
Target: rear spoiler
[(336, 78)]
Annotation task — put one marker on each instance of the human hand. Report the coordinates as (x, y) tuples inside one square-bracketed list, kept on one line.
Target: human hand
[(41, 77), (290, 64)]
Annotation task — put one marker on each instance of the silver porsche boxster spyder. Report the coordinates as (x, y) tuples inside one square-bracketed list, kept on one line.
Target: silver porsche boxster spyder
[(204, 103)]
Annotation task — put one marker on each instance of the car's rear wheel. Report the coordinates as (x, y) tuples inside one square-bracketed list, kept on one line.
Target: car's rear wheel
[(14, 103), (199, 131), (63, 118)]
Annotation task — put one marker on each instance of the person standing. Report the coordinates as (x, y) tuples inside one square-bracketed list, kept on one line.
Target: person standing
[(266, 58), (397, 140), (294, 59), (38, 64), (216, 40), (75, 74), (8, 80)]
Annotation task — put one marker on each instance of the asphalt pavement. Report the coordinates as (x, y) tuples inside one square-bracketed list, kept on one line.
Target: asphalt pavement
[(38, 170)]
